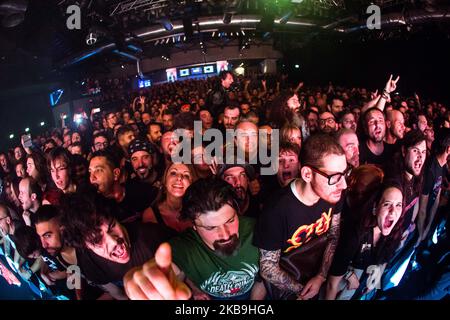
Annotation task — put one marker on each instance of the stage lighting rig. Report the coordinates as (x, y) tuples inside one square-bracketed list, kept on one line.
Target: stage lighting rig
[(166, 23)]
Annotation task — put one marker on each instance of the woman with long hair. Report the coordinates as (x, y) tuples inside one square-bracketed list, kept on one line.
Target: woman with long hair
[(10, 193), (290, 133), (367, 244), (37, 169), (166, 211)]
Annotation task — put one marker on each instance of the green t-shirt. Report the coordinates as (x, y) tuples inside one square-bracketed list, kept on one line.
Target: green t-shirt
[(220, 277)]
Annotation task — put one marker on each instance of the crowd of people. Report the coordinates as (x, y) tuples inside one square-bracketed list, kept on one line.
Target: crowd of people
[(359, 174)]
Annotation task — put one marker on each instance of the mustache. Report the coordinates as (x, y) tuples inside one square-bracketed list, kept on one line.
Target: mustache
[(227, 247), (239, 189)]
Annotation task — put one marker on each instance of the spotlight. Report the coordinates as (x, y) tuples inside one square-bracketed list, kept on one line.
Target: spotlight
[(27, 129), (284, 19), (166, 24), (42, 123), (227, 17), (266, 35), (297, 66), (11, 136), (122, 66)]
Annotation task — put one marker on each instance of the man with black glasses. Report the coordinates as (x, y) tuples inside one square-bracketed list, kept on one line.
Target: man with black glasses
[(100, 141), (305, 212), (327, 122), (111, 121)]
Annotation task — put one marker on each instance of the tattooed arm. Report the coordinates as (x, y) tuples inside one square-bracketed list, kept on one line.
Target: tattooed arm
[(270, 270), (333, 234), (312, 288)]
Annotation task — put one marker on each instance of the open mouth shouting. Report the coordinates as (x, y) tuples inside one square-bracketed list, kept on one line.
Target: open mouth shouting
[(388, 222), (418, 165), (286, 175), (120, 253)]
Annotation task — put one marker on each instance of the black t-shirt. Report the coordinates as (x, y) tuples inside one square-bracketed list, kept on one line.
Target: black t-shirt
[(396, 146), (355, 248), (138, 197), (144, 238), (269, 187), (52, 262), (411, 199), (253, 209), (367, 157), (432, 180), (110, 134), (286, 223)]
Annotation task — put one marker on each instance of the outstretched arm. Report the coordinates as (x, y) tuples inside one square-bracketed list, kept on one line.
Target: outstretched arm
[(264, 91), (157, 279), (390, 87)]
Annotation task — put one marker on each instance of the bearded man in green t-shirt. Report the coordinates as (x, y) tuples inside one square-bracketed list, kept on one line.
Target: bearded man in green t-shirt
[(215, 259)]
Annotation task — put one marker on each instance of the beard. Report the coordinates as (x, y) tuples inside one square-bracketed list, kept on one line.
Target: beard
[(227, 248), (143, 175), (53, 251), (241, 193)]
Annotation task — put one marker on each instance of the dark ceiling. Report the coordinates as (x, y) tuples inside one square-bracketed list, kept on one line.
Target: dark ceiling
[(36, 46)]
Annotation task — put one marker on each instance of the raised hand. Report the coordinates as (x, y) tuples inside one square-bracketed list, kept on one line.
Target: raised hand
[(391, 85), (374, 95), (213, 166), (156, 279)]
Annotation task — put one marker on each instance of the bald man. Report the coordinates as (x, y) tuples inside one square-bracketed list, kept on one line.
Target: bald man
[(348, 140), (395, 124), (7, 224)]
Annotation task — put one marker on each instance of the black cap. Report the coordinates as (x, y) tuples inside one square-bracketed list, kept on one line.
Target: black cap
[(140, 145), (249, 170)]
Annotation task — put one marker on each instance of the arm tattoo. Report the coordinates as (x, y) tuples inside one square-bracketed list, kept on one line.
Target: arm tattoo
[(271, 271), (328, 255)]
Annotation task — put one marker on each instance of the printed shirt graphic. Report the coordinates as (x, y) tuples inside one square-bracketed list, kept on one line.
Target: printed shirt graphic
[(232, 283), (306, 232), (286, 223), (220, 277)]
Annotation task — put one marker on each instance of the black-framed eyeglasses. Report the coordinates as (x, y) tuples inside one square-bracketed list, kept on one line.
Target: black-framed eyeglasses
[(3, 218), (101, 144), (333, 178)]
